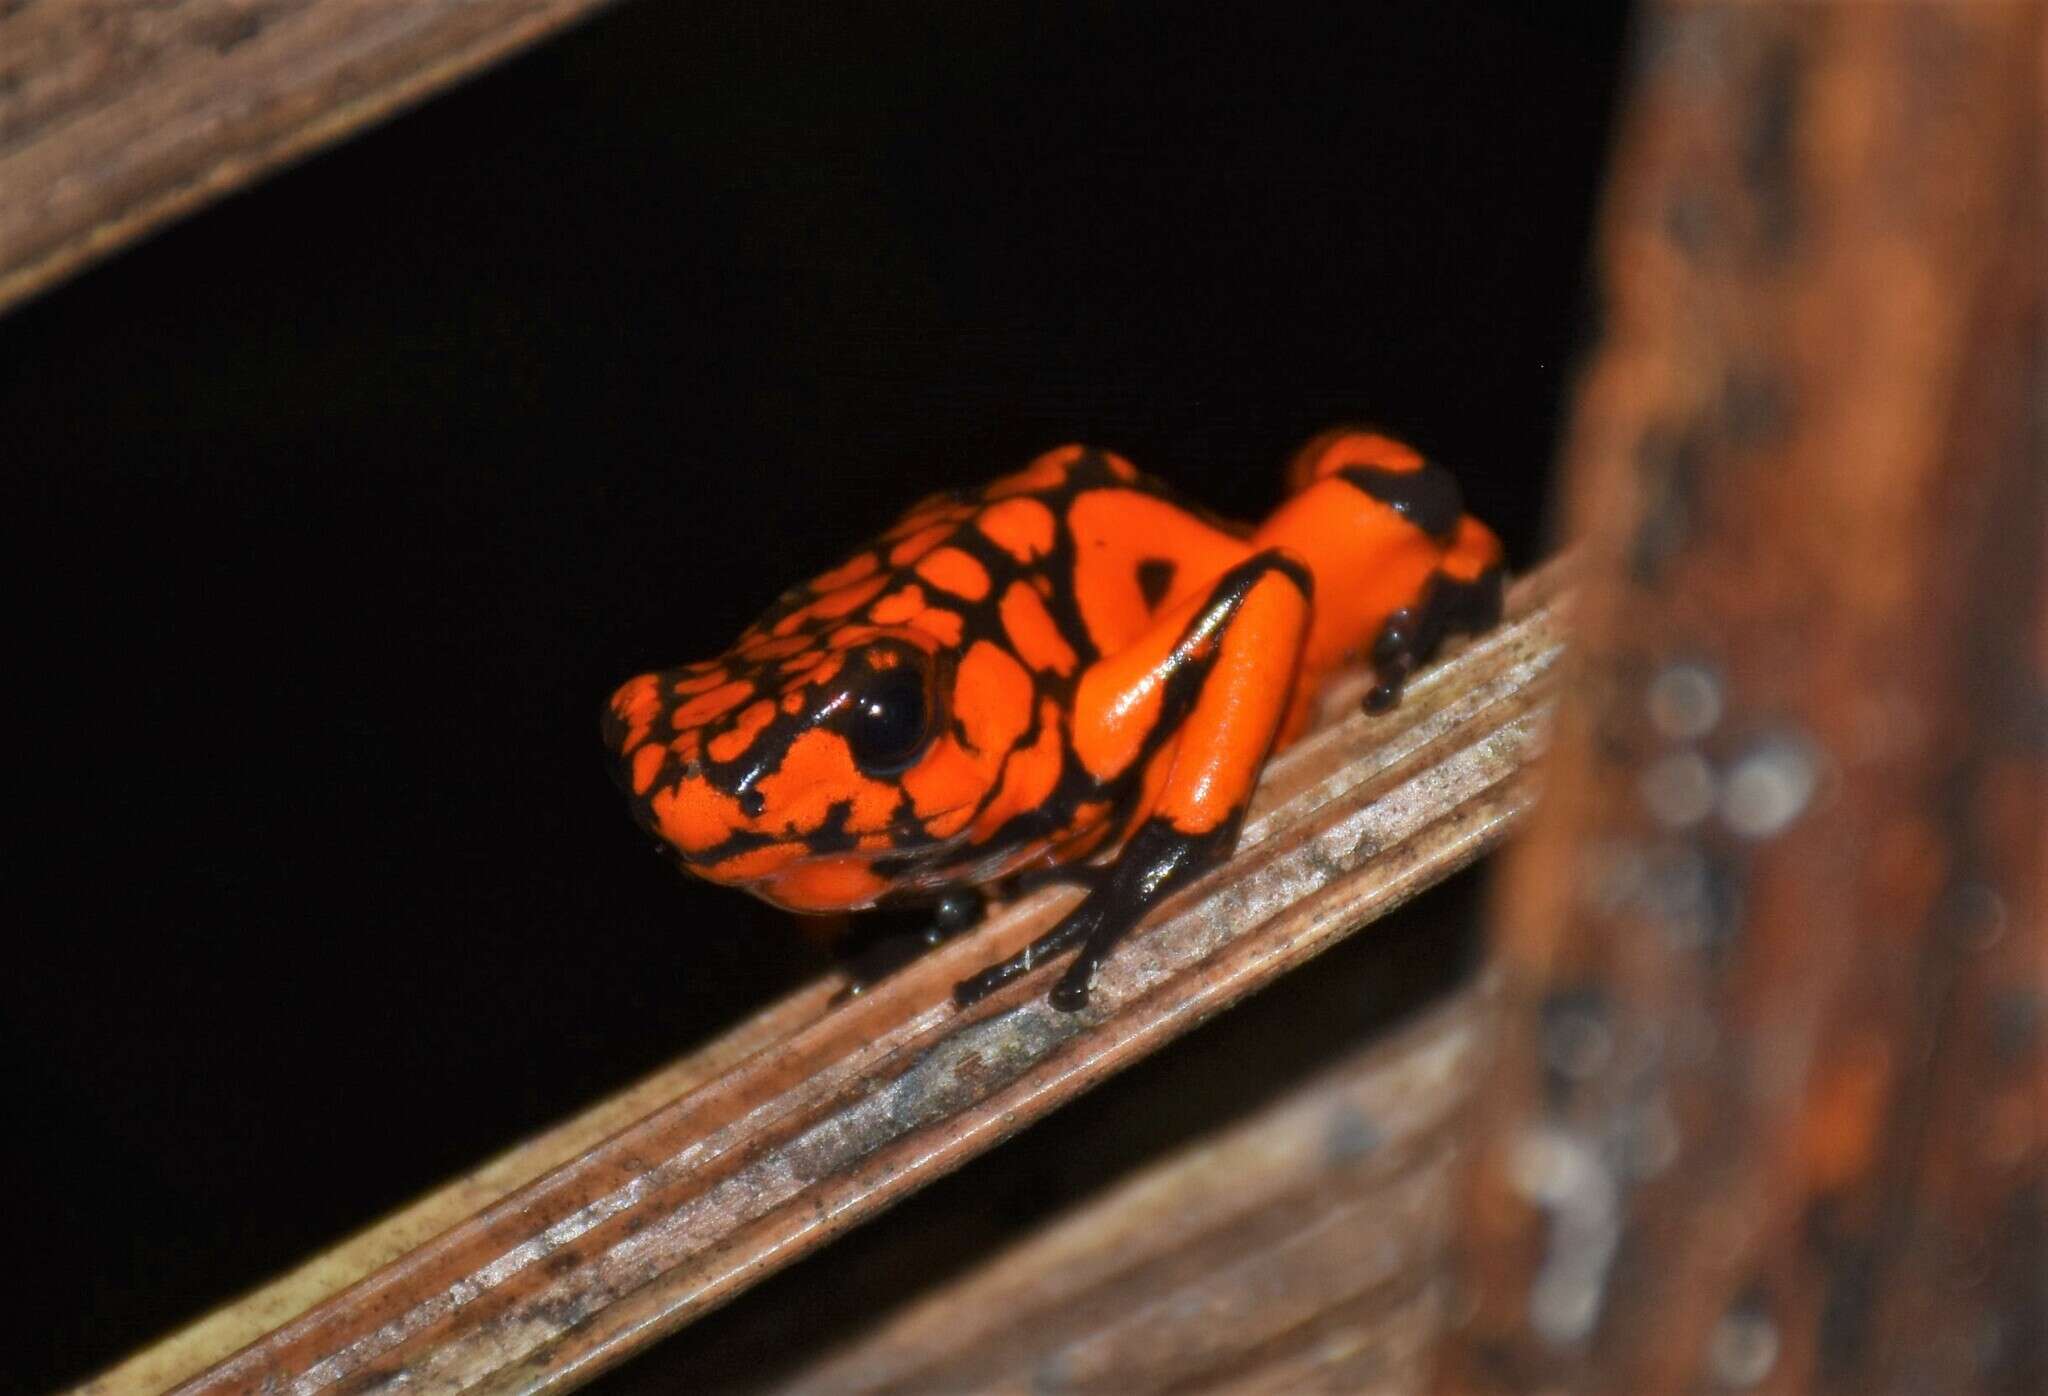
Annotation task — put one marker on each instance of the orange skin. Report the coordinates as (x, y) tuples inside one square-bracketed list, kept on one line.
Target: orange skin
[(1066, 665)]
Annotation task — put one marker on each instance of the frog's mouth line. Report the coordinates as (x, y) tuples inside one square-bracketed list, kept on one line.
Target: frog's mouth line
[(918, 854)]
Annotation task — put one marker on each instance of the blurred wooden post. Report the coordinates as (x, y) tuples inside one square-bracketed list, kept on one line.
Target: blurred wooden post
[(1771, 1109)]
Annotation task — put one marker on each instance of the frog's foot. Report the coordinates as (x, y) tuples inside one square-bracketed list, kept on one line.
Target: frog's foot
[(1073, 929), (1448, 606), (953, 913), (1158, 859)]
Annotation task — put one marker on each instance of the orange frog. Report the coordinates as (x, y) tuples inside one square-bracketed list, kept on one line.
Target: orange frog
[(1066, 670)]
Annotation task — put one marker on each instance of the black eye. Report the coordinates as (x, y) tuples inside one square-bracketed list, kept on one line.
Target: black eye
[(888, 720)]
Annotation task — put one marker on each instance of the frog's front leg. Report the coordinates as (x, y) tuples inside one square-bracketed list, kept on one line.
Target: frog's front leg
[(955, 910), (1189, 711)]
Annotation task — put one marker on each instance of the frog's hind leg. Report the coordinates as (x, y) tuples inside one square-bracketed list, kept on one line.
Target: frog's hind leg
[(877, 957), (1399, 564), (1463, 596), (1191, 710)]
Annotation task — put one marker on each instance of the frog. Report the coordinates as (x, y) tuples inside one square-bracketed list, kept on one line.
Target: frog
[(1070, 673)]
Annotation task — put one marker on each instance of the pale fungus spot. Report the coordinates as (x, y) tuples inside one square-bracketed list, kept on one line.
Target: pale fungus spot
[(1684, 702), (1743, 1348), (1768, 788), (1678, 789)]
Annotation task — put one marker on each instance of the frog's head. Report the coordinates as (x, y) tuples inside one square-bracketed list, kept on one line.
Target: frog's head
[(810, 774), (769, 772), (874, 719)]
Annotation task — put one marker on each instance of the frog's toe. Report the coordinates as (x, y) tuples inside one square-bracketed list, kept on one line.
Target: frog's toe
[(1073, 929), (880, 956), (1411, 635)]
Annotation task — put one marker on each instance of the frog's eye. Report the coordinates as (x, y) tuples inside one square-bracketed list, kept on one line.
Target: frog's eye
[(887, 719)]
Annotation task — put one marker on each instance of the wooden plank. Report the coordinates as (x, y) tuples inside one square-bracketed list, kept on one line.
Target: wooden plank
[(1772, 1108), (838, 1111), (1300, 1249), (208, 1340), (117, 117)]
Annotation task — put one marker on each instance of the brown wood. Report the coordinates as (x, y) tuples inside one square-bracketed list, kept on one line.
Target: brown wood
[(116, 116), (190, 1350), (842, 1110), (1301, 1249), (1772, 1108)]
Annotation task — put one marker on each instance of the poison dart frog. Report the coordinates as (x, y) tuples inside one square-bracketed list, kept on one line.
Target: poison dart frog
[(1066, 672)]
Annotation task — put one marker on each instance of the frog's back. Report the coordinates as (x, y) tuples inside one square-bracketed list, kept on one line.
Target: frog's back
[(1100, 549)]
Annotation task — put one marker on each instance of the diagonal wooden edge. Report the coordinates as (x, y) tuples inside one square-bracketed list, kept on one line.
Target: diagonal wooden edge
[(116, 118), (811, 1118), (1298, 1249)]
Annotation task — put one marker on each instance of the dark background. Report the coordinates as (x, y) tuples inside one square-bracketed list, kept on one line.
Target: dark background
[(347, 502)]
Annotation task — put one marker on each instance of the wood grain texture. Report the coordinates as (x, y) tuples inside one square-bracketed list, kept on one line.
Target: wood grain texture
[(838, 1111), (1771, 1111), (216, 1335), (1301, 1249), (116, 117)]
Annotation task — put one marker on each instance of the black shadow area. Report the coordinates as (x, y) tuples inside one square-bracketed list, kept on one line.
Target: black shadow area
[(341, 507)]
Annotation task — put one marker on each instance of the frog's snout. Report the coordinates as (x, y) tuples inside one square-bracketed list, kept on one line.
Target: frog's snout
[(632, 727)]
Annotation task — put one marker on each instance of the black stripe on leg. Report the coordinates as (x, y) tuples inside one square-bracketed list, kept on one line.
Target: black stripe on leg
[(1429, 497), (1158, 860), (1411, 635)]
